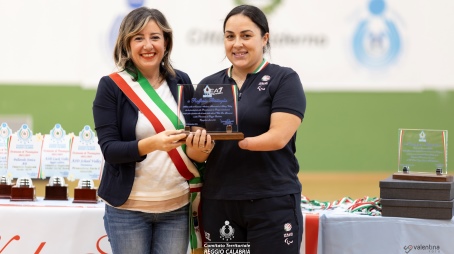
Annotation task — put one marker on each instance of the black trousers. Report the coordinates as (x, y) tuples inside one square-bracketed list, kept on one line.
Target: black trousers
[(269, 225)]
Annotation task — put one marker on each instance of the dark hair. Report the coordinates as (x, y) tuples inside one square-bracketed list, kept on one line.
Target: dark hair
[(131, 25), (256, 15)]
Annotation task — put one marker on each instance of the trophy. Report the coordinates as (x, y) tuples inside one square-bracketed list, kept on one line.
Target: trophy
[(423, 155), (85, 192), (212, 107), (23, 190), (5, 187), (56, 189)]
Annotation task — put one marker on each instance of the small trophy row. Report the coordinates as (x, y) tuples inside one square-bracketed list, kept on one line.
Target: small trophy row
[(56, 189)]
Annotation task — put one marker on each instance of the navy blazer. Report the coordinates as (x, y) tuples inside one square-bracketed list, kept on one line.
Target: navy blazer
[(115, 118)]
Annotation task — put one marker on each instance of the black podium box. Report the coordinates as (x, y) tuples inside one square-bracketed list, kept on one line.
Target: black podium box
[(416, 190), (422, 209)]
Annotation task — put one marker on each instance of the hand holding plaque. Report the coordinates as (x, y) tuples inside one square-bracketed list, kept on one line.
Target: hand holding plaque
[(212, 107)]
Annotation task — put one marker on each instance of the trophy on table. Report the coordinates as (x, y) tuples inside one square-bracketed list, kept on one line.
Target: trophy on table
[(23, 190), (422, 187), (5, 187), (423, 155), (213, 107), (85, 192), (86, 164), (55, 155), (56, 189)]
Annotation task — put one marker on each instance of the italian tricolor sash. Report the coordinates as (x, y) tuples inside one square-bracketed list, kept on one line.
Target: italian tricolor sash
[(158, 113), (163, 118)]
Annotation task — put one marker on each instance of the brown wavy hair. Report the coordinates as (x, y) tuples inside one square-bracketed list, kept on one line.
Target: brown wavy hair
[(131, 25)]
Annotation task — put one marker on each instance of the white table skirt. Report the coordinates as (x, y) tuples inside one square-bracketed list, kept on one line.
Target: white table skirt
[(51, 227)]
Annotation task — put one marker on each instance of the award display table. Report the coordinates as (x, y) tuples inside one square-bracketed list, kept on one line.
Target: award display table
[(356, 234), (43, 226), (52, 226)]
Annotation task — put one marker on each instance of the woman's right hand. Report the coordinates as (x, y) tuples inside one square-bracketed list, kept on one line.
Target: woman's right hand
[(163, 141)]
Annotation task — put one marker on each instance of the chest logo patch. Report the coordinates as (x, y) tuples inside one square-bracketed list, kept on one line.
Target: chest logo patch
[(264, 83)]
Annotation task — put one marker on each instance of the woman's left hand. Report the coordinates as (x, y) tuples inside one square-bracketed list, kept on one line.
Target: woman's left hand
[(200, 141)]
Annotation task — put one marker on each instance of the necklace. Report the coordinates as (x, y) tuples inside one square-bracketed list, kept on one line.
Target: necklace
[(155, 83)]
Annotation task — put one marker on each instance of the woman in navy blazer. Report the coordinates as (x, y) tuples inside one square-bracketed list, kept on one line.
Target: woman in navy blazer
[(121, 121), (147, 199)]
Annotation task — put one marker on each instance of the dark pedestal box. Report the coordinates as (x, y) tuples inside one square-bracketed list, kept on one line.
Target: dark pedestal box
[(56, 193), (5, 190), (82, 195), (416, 190), (22, 193), (423, 209)]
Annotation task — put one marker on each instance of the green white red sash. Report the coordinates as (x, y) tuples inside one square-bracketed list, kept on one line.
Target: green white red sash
[(162, 117), (158, 113)]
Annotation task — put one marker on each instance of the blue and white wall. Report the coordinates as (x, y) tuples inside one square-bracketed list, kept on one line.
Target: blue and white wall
[(369, 67), (350, 45)]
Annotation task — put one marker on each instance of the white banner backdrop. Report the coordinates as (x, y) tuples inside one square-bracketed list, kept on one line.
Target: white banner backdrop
[(352, 45)]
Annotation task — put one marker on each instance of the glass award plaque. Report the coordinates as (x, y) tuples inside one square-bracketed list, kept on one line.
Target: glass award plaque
[(423, 155), (213, 107)]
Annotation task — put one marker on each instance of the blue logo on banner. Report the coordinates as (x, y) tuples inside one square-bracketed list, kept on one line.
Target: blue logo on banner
[(57, 133), (5, 132), (117, 22), (376, 42), (86, 135), (24, 134)]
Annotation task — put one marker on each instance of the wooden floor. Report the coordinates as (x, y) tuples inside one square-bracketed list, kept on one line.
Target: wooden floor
[(334, 186), (316, 186)]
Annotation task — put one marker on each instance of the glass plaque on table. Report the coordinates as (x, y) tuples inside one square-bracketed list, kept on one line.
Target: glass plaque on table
[(86, 164), (55, 153), (213, 107), (24, 153), (86, 160), (423, 155)]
